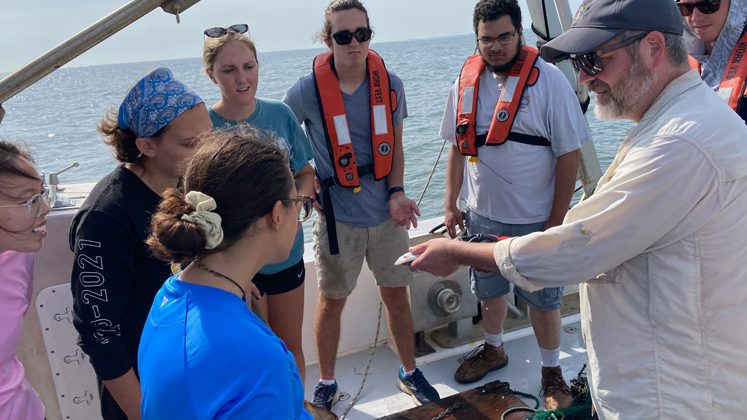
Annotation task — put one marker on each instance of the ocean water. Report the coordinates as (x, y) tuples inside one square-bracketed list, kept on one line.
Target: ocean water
[(57, 116)]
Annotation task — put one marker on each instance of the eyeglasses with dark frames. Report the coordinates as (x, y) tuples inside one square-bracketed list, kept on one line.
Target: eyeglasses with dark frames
[(591, 62), (307, 205), (38, 203), (502, 39), (218, 31), (346, 37), (705, 7)]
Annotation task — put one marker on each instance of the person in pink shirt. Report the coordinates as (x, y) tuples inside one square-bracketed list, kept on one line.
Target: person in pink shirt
[(24, 204)]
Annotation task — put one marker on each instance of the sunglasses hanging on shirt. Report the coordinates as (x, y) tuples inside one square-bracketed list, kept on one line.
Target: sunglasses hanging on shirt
[(218, 31), (705, 7), (346, 37)]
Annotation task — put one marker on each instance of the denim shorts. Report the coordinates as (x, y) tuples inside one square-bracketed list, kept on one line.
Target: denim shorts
[(489, 285)]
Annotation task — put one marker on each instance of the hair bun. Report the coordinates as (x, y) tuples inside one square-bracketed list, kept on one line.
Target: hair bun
[(172, 238)]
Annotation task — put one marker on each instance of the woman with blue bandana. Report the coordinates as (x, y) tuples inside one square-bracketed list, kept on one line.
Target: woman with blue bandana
[(230, 60), (115, 277)]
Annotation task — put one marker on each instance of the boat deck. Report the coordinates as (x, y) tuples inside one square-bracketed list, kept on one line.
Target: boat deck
[(381, 396)]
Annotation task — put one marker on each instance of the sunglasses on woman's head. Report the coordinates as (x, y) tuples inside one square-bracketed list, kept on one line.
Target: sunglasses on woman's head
[(346, 37), (218, 32), (591, 62), (705, 7)]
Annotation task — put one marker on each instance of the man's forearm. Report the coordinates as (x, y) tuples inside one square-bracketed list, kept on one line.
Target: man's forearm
[(454, 176), (478, 255)]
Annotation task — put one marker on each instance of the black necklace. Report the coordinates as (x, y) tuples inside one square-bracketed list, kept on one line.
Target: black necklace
[(213, 272)]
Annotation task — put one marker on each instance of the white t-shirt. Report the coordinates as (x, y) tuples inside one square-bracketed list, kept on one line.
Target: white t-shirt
[(515, 182)]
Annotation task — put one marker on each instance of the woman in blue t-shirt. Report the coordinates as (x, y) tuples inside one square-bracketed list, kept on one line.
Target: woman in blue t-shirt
[(230, 60), (203, 353)]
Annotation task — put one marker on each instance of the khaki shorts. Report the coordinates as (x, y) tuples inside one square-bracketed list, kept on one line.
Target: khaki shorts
[(380, 246)]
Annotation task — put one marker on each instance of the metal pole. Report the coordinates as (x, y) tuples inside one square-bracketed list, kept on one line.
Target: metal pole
[(565, 13), (76, 45)]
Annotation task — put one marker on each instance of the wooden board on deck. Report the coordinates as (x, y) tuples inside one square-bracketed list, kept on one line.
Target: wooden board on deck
[(482, 403)]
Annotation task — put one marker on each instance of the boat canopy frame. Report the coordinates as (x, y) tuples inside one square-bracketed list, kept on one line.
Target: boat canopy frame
[(84, 40)]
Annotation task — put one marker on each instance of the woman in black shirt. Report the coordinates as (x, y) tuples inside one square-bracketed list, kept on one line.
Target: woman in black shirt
[(114, 276)]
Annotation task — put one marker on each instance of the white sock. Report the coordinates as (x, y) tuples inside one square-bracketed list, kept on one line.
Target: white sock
[(550, 358), (408, 373), (494, 340), (326, 381)]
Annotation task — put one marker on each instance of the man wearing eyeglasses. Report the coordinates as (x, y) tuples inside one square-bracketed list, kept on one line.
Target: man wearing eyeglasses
[(716, 38), (660, 247), (516, 126)]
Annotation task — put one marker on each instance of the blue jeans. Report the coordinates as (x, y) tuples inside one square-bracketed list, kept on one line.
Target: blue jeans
[(489, 285)]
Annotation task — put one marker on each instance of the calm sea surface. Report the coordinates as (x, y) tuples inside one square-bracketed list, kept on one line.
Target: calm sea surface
[(57, 116)]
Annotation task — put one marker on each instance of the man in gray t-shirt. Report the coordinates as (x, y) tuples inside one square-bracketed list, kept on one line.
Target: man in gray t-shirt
[(370, 206), (368, 219)]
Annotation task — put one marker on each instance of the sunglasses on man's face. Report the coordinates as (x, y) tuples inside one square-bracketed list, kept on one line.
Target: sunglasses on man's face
[(218, 32), (591, 62), (346, 37), (705, 7)]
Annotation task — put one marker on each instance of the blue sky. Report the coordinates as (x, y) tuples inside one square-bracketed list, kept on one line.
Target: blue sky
[(30, 28)]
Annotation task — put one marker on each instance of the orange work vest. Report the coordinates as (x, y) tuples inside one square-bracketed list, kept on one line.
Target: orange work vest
[(522, 74), (383, 103), (733, 86)]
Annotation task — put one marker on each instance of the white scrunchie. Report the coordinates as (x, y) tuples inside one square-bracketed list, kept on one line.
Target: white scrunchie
[(206, 220)]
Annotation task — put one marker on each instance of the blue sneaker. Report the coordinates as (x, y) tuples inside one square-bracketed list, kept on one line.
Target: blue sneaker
[(417, 386), (326, 395)]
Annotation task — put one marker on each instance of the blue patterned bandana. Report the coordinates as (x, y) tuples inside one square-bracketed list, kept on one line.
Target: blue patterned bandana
[(155, 101)]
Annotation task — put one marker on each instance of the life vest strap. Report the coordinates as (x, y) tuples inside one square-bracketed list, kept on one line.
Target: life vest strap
[(329, 213), (329, 219), (517, 137), (363, 170)]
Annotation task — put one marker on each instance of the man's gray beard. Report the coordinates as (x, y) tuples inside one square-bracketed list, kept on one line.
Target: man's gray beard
[(626, 95)]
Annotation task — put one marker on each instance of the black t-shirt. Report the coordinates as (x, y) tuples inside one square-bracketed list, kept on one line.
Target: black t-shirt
[(114, 276)]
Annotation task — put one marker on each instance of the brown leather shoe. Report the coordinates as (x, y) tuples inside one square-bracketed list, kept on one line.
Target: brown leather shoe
[(556, 391), (479, 362), (318, 412)]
